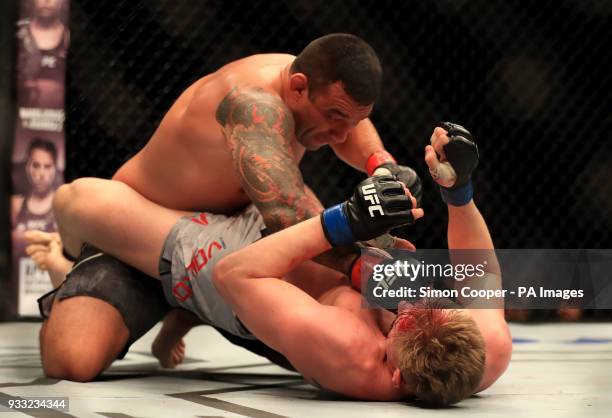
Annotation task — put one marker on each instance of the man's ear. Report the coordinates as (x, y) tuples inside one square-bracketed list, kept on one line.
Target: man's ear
[(298, 84), (397, 378)]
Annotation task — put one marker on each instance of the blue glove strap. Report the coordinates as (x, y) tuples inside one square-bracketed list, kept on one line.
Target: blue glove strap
[(458, 197), (336, 226)]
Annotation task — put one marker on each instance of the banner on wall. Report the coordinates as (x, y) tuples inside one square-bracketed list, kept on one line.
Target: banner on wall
[(38, 158)]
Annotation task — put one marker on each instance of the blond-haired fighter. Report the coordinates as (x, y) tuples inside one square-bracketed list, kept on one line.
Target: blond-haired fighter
[(436, 356)]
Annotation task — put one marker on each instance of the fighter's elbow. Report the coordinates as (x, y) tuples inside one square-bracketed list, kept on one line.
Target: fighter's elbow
[(281, 214), (277, 217)]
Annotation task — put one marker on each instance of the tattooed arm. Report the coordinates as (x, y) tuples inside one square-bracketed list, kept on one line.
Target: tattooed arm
[(260, 131)]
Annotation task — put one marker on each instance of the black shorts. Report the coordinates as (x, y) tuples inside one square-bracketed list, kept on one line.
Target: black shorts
[(103, 277), (138, 298), (259, 348)]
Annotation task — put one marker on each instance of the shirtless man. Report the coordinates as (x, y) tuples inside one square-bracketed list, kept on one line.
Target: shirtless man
[(257, 115), (436, 356)]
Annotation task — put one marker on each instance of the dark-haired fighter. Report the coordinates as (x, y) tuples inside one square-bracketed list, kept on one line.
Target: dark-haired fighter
[(234, 137)]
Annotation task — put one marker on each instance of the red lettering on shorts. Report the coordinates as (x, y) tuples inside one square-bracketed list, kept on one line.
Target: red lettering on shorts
[(215, 244), (201, 219), (200, 259), (198, 262), (182, 290)]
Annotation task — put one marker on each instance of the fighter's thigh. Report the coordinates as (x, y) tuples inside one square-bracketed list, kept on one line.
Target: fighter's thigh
[(115, 218), (81, 338)]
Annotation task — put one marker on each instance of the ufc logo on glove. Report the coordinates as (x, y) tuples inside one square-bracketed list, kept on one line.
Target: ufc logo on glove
[(356, 218), (369, 193)]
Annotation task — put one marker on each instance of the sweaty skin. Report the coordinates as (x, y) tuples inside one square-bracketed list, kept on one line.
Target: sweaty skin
[(237, 136), (187, 164)]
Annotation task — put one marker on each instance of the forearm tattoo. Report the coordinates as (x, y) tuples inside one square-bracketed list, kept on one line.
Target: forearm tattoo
[(260, 130)]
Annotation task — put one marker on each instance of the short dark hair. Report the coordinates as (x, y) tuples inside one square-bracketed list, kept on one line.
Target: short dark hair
[(43, 144), (345, 58)]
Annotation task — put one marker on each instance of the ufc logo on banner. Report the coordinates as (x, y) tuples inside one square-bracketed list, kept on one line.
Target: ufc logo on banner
[(369, 193)]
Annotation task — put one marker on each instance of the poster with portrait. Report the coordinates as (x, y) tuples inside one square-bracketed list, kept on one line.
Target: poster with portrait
[(38, 158)]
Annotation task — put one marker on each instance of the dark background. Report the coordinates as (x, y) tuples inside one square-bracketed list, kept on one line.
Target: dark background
[(530, 79), (8, 16)]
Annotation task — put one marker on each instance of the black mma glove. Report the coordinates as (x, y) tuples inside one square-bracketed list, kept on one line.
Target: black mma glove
[(378, 205), (383, 160), (407, 176), (462, 154)]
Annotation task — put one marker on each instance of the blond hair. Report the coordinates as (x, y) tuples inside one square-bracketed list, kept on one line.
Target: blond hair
[(441, 354)]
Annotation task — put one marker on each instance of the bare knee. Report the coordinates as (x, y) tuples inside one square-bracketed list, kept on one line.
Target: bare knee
[(63, 359), (82, 337), (73, 360), (74, 369), (78, 207), (70, 199)]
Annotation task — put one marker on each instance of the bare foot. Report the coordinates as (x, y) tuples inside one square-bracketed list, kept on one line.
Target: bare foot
[(168, 346), (45, 249), (169, 356)]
